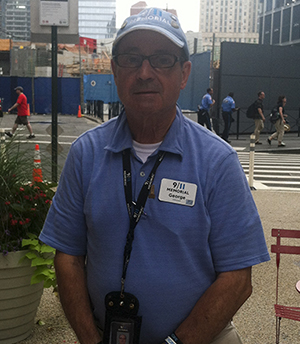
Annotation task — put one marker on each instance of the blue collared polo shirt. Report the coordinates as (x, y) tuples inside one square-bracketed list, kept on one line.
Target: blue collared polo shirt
[(178, 248)]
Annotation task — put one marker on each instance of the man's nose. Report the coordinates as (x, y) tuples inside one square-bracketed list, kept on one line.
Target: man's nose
[(145, 71)]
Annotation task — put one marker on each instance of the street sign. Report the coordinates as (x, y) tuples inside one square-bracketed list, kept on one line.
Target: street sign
[(59, 130), (54, 12), (59, 149)]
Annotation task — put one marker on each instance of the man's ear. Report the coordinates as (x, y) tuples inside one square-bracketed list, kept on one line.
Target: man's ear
[(186, 71)]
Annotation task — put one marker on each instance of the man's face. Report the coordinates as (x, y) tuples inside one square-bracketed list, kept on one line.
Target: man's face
[(122, 339), (211, 92), (18, 92), (262, 95), (145, 89)]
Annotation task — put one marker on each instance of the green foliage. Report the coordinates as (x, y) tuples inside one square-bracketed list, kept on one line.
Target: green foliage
[(42, 257), (23, 205)]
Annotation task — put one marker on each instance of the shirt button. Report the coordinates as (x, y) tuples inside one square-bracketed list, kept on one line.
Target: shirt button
[(142, 174)]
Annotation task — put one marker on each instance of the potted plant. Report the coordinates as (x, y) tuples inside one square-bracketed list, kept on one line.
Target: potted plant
[(26, 265)]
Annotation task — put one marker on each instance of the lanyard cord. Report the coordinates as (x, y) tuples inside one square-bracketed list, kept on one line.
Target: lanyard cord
[(135, 214)]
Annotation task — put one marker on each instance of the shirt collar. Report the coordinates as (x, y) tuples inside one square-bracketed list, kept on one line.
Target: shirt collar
[(173, 142)]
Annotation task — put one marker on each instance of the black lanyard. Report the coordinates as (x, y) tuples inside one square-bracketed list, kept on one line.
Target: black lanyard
[(135, 210)]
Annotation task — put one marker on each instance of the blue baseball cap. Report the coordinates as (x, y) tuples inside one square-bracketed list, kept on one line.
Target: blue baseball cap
[(155, 19)]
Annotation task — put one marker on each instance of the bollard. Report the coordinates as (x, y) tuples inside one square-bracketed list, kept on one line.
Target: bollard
[(2, 143), (251, 161)]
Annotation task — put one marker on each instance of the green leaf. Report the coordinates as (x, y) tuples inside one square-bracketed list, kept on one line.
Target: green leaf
[(37, 279), (41, 261), (31, 255), (47, 249), (49, 283), (41, 323), (26, 242)]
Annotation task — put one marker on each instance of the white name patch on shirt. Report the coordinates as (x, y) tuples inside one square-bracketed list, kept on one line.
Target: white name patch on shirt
[(174, 191)]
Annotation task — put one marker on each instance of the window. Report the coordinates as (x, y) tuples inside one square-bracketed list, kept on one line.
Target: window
[(296, 23), (286, 19)]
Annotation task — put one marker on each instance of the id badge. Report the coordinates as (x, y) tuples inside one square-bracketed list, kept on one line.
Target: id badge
[(122, 325)]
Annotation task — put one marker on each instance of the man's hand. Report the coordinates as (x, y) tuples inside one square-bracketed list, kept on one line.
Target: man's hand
[(216, 307)]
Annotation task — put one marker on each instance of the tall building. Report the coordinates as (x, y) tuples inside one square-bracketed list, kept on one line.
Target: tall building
[(279, 22), (228, 20), (97, 19), (141, 5), (15, 19), (137, 8)]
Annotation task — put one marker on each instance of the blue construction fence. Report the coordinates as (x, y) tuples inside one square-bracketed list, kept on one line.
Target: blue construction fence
[(39, 93), (98, 89)]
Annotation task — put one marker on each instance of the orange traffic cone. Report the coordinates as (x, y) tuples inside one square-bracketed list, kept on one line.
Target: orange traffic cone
[(28, 110), (37, 169), (79, 111)]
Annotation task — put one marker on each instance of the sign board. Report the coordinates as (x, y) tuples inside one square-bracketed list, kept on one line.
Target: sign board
[(59, 148), (41, 32), (59, 130), (54, 12)]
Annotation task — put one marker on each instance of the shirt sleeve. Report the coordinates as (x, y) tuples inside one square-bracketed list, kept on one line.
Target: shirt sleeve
[(65, 225), (236, 239), (20, 99)]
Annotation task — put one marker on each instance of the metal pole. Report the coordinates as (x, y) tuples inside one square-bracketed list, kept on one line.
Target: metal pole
[(238, 124), (251, 161), (299, 123), (54, 102), (2, 145)]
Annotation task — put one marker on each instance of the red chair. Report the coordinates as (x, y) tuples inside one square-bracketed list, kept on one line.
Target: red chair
[(282, 311)]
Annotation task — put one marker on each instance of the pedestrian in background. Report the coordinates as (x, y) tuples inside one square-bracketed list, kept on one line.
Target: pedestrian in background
[(139, 212), (259, 117), (279, 124), (228, 107), (22, 107), (203, 113)]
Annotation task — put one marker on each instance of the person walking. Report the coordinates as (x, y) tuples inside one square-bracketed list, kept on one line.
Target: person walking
[(139, 215), (259, 117), (228, 107), (279, 124), (206, 103), (21, 105)]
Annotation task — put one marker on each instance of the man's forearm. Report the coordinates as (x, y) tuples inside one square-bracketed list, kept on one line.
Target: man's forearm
[(261, 114), (14, 106), (216, 307), (72, 286)]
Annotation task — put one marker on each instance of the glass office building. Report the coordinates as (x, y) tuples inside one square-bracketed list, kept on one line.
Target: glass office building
[(15, 19), (97, 19), (279, 22)]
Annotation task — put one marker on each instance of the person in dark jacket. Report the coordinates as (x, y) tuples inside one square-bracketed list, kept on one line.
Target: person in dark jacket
[(279, 125)]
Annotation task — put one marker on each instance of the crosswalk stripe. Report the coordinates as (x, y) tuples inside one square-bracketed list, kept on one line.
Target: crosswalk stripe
[(273, 171)]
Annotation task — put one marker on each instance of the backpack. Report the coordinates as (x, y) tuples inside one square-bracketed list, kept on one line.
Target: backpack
[(274, 115), (251, 111)]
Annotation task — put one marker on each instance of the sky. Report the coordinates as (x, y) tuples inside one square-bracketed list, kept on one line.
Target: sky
[(187, 11)]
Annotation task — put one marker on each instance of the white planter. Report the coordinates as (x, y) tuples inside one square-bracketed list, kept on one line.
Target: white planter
[(18, 299)]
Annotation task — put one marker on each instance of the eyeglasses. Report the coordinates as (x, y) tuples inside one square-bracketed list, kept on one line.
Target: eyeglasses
[(156, 61)]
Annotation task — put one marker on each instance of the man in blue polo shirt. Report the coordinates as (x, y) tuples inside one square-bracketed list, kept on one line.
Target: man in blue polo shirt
[(140, 216), (228, 106), (206, 103)]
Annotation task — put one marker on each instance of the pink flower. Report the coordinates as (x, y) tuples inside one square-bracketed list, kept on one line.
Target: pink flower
[(21, 189)]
